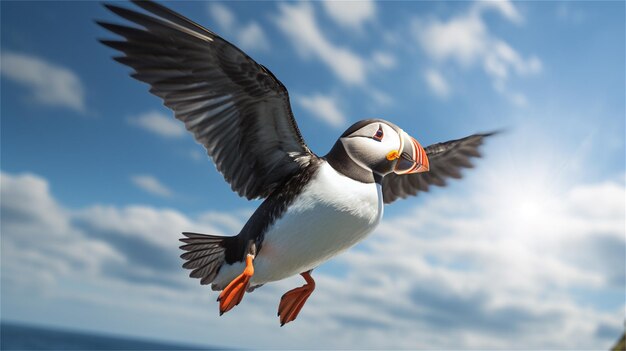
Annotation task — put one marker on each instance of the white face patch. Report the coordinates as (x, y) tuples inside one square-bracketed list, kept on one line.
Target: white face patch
[(365, 150)]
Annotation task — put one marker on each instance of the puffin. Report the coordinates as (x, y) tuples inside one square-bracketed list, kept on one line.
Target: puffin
[(314, 207)]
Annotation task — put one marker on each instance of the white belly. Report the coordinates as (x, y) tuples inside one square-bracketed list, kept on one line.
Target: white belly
[(332, 214)]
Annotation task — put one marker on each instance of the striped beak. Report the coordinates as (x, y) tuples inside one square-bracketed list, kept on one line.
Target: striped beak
[(413, 158)]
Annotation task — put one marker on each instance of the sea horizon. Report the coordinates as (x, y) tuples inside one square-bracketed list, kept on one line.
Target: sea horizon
[(16, 335)]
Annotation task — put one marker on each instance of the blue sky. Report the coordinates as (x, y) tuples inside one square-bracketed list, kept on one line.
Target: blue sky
[(528, 249)]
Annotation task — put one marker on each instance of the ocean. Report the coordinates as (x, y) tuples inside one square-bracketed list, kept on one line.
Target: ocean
[(15, 336)]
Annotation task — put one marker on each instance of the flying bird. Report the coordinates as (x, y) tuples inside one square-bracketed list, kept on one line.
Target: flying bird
[(315, 207)]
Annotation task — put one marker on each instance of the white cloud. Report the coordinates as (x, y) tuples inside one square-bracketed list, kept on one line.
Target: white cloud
[(466, 41), (224, 17), (297, 22), (42, 238), (502, 58), (437, 83), (29, 193), (249, 37), (350, 14), (151, 185), (463, 38), (231, 223), (160, 124), (323, 107), (39, 243), (252, 37), (155, 226), (49, 83)]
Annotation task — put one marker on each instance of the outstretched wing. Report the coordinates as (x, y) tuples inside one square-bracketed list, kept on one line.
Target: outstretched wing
[(233, 106), (446, 160)]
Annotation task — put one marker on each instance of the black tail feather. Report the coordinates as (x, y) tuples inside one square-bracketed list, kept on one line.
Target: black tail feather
[(204, 254)]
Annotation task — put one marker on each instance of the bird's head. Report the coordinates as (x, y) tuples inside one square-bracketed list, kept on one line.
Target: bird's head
[(374, 148)]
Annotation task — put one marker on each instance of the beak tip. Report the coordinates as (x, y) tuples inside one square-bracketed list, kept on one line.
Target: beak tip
[(417, 162), (422, 157)]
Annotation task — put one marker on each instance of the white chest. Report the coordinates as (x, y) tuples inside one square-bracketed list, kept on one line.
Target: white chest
[(331, 214)]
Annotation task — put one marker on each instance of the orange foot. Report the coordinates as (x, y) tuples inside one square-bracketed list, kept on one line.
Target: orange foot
[(291, 303), (233, 293)]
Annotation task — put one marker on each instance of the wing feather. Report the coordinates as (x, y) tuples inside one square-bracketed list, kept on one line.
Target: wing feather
[(232, 105)]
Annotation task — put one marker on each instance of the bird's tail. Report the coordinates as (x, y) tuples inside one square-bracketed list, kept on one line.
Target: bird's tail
[(205, 255)]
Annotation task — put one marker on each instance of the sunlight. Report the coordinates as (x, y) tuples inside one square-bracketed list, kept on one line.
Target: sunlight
[(525, 207), (528, 210), (525, 198)]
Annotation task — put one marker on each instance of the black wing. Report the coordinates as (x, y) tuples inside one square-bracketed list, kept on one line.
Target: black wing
[(446, 160), (233, 106)]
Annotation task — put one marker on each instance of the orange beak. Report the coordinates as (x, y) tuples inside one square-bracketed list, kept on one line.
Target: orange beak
[(412, 158)]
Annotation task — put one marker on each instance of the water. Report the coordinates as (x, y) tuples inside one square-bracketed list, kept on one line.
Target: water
[(24, 337)]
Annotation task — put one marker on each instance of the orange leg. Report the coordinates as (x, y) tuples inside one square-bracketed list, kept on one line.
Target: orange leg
[(291, 303), (233, 293)]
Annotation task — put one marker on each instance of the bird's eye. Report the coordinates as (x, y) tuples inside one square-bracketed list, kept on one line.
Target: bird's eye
[(379, 134)]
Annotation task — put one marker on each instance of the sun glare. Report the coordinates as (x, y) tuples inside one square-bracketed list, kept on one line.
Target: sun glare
[(524, 200), (523, 208), (528, 210)]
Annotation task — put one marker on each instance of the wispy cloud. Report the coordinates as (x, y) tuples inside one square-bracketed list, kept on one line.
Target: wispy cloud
[(323, 107), (379, 97), (224, 17), (466, 40), (350, 14), (570, 13), (437, 83), (49, 84), (384, 59), (250, 36), (298, 23), (197, 155), (159, 124), (151, 185), (505, 7)]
